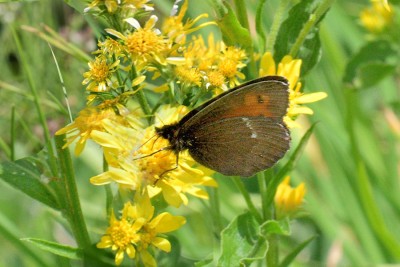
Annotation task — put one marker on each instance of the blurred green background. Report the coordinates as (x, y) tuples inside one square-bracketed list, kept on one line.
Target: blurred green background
[(350, 165)]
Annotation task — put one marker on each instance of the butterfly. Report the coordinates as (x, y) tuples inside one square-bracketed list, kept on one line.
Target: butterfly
[(237, 133)]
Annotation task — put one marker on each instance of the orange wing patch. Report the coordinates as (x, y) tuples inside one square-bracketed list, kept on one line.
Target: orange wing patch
[(254, 105)]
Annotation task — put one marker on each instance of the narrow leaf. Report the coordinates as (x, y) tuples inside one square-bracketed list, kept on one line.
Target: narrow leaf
[(292, 255), (56, 248), (29, 176)]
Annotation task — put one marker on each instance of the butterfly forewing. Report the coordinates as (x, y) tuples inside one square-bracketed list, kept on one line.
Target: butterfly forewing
[(267, 97), (243, 146)]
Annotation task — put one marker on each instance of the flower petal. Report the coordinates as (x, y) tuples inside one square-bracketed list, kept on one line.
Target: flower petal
[(165, 222), (162, 244)]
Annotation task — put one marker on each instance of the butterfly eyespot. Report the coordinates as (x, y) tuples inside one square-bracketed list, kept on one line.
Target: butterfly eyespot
[(260, 99)]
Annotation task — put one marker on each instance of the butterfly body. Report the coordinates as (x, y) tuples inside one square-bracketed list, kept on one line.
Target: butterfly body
[(239, 132)]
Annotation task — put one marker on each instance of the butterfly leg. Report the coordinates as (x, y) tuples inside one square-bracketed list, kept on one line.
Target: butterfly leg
[(169, 170)]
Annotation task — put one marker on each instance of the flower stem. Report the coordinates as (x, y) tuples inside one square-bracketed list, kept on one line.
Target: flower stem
[(215, 210), (314, 18), (262, 185), (276, 23), (273, 251), (144, 104), (239, 184), (72, 206)]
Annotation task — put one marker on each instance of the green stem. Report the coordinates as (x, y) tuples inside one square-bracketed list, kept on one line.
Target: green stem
[(314, 18), (239, 184), (276, 23), (262, 185), (72, 203), (109, 195), (42, 118), (241, 12), (215, 210), (141, 97), (273, 251)]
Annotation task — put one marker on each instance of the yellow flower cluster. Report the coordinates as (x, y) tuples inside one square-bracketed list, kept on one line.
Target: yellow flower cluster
[(137, 230)]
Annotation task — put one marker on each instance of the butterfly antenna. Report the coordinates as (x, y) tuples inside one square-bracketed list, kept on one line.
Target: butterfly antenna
[(148, 140)]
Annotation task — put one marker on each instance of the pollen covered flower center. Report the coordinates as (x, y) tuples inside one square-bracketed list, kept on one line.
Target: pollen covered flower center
[(122, 234), (154, 166), (100, 71), (228, 67), (144, 42)]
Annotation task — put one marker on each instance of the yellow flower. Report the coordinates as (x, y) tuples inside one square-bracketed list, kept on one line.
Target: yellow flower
[(110, 47), (377, 17), (144, 44), (99, 75), (176, 30), (290, 69), (188, 76), (210, 66), (137, 230), (127, 150), (89, 119), (288, 199), (230, 62)]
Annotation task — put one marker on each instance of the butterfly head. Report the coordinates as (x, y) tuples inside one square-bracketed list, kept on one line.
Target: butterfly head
[(170, 132)]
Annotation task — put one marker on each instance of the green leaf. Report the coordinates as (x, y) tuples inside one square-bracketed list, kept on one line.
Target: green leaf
[(372, 73), (292, 255), (56, 248), (310, 52), (371, 64), (241, 242), (29, 176), (232, 32), (275, 227), (289, 31)]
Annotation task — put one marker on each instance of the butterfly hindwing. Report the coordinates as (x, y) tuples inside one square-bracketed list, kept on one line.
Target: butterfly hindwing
[(243, 146)]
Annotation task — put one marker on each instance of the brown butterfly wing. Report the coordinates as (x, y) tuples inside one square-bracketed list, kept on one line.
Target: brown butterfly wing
[(240, 146), (267, 96)]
